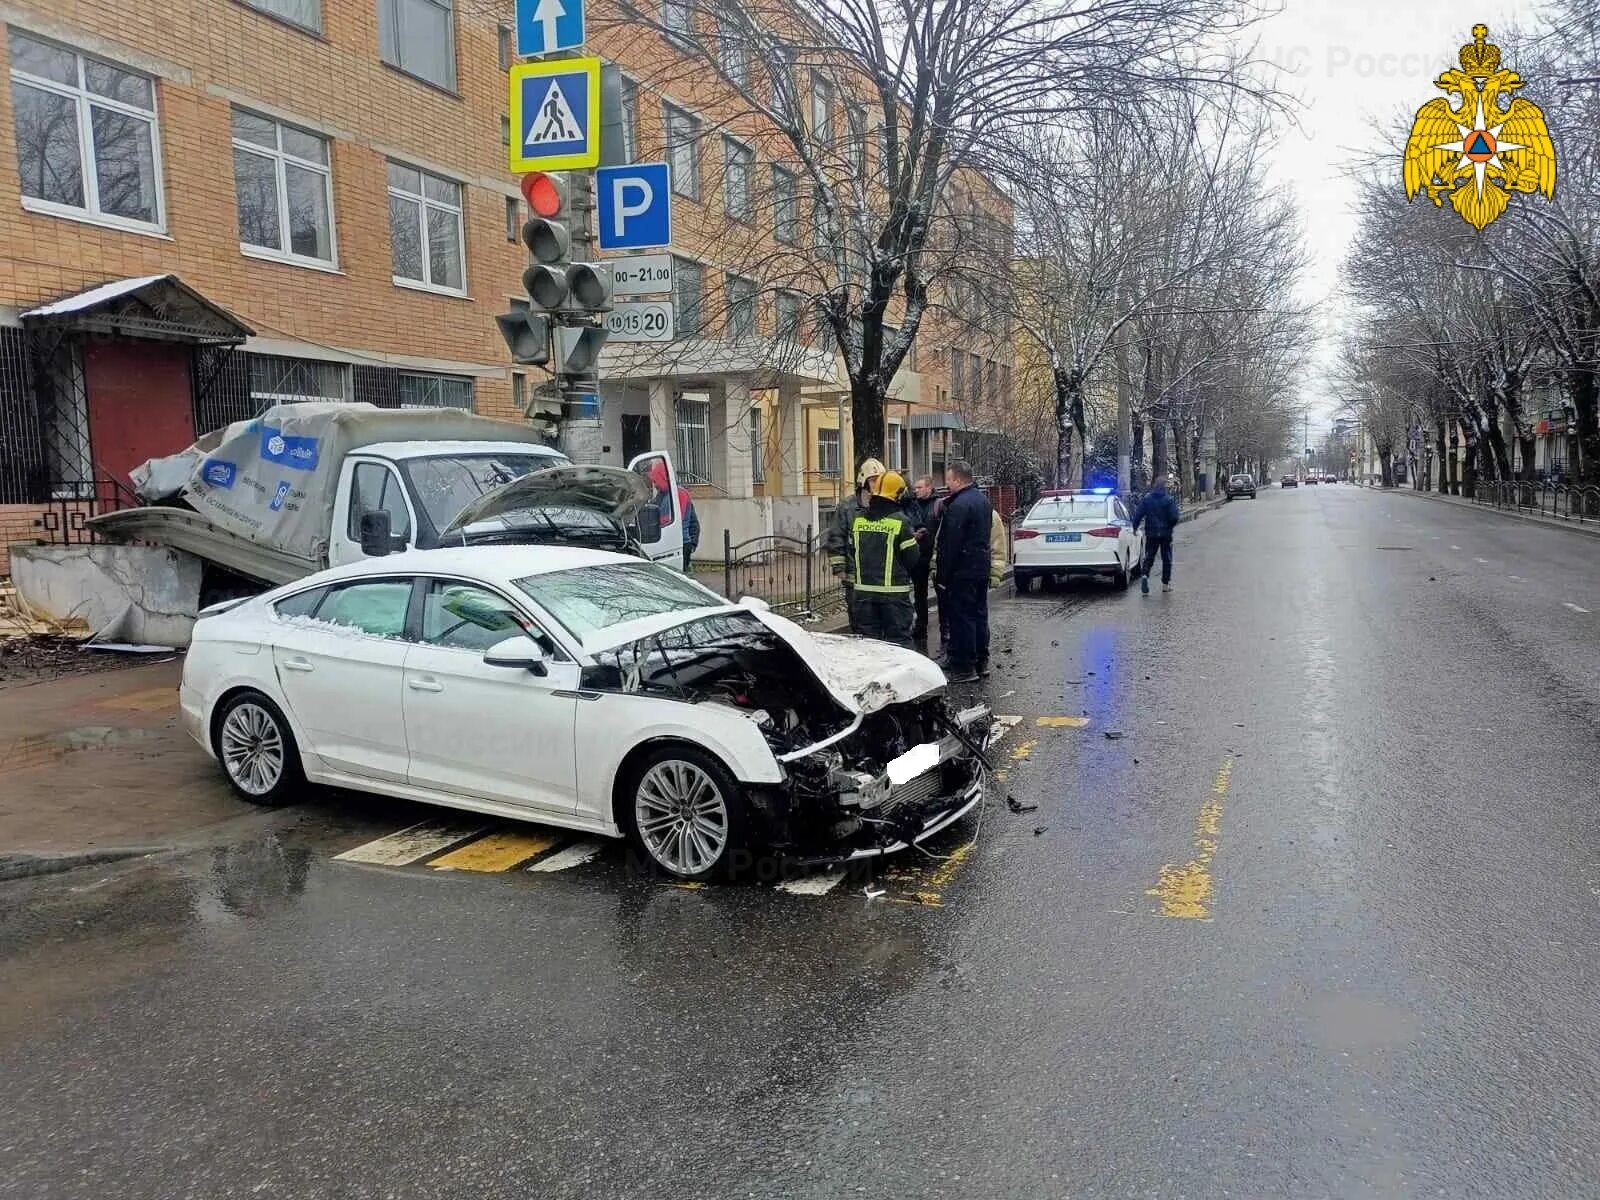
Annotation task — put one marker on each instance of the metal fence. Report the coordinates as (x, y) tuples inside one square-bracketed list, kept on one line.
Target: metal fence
[(789, 573), (1568, 501)]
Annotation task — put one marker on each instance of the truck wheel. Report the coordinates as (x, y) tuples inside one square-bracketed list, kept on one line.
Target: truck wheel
[(256, 748)]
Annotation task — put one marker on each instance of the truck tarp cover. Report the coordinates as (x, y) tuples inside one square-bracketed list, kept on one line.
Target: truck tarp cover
[(275, 479)]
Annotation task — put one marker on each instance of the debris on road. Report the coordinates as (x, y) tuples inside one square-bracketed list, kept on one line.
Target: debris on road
[(1038, 829), (872, 893), (1017, 806), (1114, 735)]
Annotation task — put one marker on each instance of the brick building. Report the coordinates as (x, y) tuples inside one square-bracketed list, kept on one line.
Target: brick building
[(206, 208)]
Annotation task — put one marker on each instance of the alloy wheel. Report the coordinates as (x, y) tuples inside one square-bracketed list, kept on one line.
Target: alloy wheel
[(252, 748), (682, 817)]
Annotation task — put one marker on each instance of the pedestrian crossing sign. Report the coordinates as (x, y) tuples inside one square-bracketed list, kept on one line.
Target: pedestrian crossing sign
[(555, 115)]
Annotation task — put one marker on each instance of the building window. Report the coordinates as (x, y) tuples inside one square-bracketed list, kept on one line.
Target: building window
[(275, 379), (822, 331), (975, 380), (731, 56), (821, 233), (683, 150), (828, 452), (693, 417), (425, 229), (630, 120), (513, 219), (958, 362), (758, 446), (435, 391), (741, 307), (821, 110), (305, 13), (736, 163), (856, 118), (86, 135), (688, 297), (894, 447), (786, 309), (503, 44), (678, 18), (285, 189), (419, 37), (785, 207), (505, 130), (885, 160)]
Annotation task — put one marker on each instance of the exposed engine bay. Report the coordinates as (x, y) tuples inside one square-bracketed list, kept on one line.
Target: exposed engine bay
[(858, 783)]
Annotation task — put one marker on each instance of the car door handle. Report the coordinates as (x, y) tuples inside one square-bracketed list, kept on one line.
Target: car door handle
[(297, 664), (425, 685)]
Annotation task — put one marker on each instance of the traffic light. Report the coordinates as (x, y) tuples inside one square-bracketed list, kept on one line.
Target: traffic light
[(555, 284), (528, 336)]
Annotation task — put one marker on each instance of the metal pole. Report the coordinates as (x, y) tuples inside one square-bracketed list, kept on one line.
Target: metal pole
[(808, 567), (727, 564)]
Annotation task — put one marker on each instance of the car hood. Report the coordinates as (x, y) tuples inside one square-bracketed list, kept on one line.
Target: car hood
[(614, 491), (861, 674)]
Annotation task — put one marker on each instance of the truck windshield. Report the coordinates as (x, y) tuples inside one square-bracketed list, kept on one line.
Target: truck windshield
[(447, 484)]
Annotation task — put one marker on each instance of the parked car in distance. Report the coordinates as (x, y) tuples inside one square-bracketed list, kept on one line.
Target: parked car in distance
[(1241, 485), (1290, 481), (1310, 480), (1076, 532), (585, 689)]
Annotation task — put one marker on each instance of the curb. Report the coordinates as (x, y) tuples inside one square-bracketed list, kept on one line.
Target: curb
[(24, 865), (1586, 530)]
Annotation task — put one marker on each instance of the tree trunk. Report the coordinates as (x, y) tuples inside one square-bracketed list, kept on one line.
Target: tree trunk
[(1071, 428), (1583, 387), (1495, 456), (1158, 448), (1527, 450), (866, 419), (1136, 475), (1386, 466), (1442, 470), (1469, 462)]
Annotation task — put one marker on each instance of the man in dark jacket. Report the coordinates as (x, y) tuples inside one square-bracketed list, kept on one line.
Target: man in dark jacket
[(961, 571), (885, 553), (926, 521), (1158, 512)]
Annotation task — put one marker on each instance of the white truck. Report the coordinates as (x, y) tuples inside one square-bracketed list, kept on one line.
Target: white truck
[(308, 486)]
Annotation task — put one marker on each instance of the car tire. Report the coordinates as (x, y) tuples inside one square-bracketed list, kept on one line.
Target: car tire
[(1124, 575), (1021, 584), (655, 818), (257, 750)]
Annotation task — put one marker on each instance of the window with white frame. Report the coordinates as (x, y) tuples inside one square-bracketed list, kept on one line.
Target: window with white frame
[(87, 139), (285, 189), (856, 118), (513, 219), (425, 233), (821, 110), (737, 161), (419, 37), (305, 13), (731, 57), (785, 207), (741, 301), (276, 379), (678, 17), (683, 150), (435, 391), (504, 43), (828, 452), (630, 120), (688, 297), (758, 446), (786, 309), (693, 418), (894, 447)]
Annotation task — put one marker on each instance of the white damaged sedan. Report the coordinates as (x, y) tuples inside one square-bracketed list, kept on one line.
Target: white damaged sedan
[(588, 690)]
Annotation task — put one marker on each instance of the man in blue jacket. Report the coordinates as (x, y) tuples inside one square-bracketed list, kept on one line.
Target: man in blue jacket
[(961, 571), (1159, 513)]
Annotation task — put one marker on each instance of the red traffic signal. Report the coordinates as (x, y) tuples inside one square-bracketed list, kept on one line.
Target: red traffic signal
[(544, 193)]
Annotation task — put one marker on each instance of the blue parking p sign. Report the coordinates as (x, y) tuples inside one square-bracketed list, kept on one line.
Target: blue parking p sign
[(635, 204)]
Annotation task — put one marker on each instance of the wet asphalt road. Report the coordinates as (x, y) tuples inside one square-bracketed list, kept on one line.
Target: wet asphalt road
[(1366, 759)]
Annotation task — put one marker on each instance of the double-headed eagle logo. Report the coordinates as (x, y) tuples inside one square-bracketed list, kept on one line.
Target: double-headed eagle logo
[(1480, 151)]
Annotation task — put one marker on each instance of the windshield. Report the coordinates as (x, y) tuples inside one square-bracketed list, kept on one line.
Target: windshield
[(587, 599), (447, 484)]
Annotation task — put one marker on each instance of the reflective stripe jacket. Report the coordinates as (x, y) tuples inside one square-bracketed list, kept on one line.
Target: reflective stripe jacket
[(884, 548)]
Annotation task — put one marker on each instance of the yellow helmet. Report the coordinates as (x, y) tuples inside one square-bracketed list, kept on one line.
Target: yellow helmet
[(891, 485), (870, 469)]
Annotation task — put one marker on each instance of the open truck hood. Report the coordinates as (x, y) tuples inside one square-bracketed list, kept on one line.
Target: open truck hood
[(612, 491)]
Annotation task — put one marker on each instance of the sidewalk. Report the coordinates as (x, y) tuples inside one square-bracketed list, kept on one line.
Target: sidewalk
[(95, 767), (1587, 528)]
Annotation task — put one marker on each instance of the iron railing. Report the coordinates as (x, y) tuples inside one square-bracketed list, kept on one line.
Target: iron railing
[(62, 517), (1567, 501), (789, 573)]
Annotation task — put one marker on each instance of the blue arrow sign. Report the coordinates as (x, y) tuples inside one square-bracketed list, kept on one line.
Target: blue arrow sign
[(635, 205), (555, 115), (545, 26)]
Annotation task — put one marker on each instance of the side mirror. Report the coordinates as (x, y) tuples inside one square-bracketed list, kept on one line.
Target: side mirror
[(376, 538), (650, 524), (520, 653)]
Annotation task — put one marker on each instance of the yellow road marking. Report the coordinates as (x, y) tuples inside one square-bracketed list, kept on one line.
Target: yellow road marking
[(1022, 751), (157, 699), (1062, 722), (496, 851), (1187, 891)]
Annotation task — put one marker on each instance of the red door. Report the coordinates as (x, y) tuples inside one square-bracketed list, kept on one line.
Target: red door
[(139, 403)]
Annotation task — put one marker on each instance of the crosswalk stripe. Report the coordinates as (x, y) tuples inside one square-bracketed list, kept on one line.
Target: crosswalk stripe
[(411, 844), (496, 851), (574, 855), (812, 885)]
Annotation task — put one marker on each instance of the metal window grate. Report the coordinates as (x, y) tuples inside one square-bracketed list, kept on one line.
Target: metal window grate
[(21, 439)]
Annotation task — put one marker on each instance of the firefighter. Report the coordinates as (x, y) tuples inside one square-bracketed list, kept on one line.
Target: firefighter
[(884, 552), (837, 538)]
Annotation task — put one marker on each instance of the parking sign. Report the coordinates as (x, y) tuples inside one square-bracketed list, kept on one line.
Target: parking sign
[(635, 204)]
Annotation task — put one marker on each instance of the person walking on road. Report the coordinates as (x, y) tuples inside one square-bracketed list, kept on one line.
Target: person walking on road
[(927, 539), (1158, 511), (884, 550), (841, 551), (961, 571)]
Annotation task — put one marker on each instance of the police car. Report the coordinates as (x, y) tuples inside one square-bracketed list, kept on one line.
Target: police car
[(1083, 531)]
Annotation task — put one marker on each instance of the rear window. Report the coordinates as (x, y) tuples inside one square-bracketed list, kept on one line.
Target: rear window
[(1068, 508)]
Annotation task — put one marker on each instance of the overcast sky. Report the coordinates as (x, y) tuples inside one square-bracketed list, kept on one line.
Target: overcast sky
[(1354, 64)]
